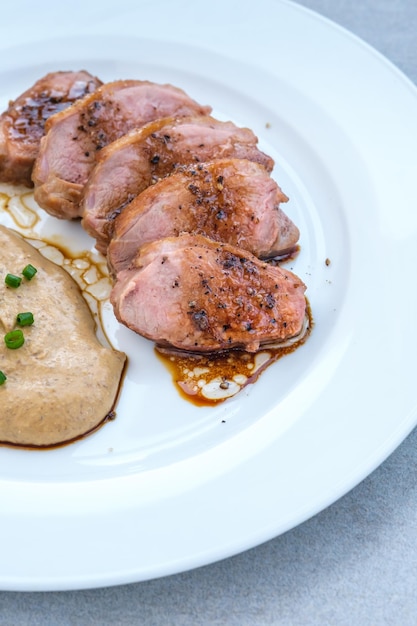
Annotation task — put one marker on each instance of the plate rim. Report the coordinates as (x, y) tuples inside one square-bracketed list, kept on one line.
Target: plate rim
[(397, 436)]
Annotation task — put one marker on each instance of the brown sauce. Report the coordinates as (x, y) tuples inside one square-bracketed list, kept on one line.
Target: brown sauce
[(203, 380), (207, 380)]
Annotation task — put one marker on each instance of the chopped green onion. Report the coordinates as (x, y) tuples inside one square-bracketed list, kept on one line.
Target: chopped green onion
[(25, 319), (12, 280), (14, 339), (3, 377), (29, 271)]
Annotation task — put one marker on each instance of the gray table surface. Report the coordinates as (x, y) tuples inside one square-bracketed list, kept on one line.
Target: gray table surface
[(353, 564)]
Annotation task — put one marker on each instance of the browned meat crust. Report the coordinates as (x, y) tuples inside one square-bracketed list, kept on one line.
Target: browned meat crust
[(230, 200), (127, 166), (75, 137), (188, 201), (23, 124), (201, 296)]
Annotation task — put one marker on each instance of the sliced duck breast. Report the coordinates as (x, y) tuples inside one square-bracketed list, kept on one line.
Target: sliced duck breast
[(231, 200), (74, 137), (22, 125), (196, 295), (141, 157)]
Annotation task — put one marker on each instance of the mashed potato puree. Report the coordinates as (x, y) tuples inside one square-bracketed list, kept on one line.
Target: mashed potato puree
[(62, 383)]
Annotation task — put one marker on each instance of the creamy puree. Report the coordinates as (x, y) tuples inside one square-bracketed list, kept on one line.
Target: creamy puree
[(62, 383)]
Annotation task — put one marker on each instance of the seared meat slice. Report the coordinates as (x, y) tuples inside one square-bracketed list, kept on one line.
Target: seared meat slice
[(231, 200), (74, 137), (22, 125), (197, 295), (129, 165)]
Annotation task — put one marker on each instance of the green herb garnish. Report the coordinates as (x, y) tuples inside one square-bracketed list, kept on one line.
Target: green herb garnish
[(12, 280), (25, 319), (29, 271), (14, 339)]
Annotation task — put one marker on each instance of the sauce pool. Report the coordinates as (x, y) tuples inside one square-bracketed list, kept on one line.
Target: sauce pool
[(207, 380), (203, 380)]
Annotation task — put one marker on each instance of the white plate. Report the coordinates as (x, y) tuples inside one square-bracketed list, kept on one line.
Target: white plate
[(168, 486)]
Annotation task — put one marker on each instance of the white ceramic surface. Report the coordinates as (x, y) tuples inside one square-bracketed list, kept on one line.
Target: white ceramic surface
[(168, 486)]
